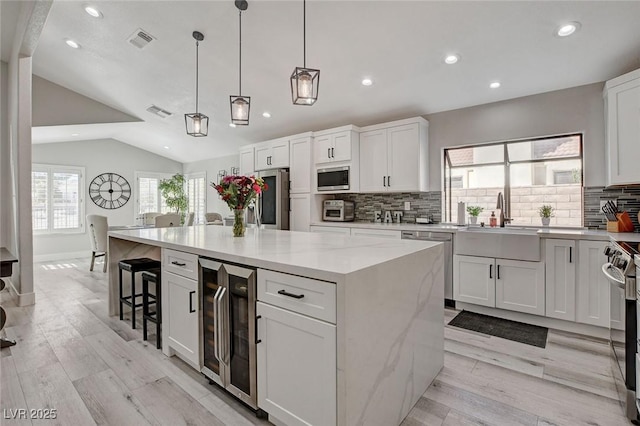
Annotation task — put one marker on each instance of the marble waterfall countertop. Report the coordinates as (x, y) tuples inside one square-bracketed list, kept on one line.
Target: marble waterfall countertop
[(318, 255)]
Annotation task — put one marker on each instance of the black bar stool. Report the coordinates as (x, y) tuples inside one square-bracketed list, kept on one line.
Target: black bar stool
[(133, 265), (148, 299)]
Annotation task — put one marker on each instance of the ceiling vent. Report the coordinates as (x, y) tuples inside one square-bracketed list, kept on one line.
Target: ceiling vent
[(162, 113), (140, 38)]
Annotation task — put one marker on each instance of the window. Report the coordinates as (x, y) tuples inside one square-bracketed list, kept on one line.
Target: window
[(57, 203), (148, 195), (529, 172), (197, 193)]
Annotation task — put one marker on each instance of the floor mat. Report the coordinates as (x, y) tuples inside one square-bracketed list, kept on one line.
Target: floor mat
[(506, 329)]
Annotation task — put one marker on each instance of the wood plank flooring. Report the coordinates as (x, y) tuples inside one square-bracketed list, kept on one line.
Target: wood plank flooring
[(94, 369)]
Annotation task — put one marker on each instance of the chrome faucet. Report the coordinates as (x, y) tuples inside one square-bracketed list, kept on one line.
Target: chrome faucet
[(500, 205)]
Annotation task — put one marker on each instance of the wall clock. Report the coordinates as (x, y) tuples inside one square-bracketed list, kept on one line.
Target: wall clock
[(109, 191)]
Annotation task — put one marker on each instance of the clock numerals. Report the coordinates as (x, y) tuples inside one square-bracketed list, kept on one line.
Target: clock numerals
[(113, 184)]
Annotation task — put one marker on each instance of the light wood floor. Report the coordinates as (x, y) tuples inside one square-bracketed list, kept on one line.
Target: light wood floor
[(94, 369)]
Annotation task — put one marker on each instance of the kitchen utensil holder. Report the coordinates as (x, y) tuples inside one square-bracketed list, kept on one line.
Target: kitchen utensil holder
[(623, 224)]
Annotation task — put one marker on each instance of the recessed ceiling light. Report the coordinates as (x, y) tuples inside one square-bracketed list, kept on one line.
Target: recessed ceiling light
[(367, 82), (75, 134), (266, 114), (93, 11), (494, 84), (166, 147), (72, 43), (567, 29), (451, 59), (232, 125)]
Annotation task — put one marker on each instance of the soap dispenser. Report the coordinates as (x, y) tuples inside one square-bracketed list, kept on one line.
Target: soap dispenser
[(493, 221)]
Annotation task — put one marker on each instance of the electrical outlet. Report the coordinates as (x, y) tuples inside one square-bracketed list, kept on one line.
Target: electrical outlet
[(407, 206)]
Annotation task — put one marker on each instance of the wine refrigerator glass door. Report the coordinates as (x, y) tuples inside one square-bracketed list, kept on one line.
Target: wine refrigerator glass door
[(212, 277), (240, 350)]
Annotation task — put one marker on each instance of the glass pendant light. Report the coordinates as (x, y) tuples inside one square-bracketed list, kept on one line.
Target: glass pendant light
[(304, 81), (197, 123), (240, 105)]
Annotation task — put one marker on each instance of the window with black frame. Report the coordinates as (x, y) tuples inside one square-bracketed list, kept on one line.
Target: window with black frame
[(529, 172)]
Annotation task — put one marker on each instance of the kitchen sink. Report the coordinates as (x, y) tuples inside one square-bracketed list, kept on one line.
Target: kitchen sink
[(518, 243)]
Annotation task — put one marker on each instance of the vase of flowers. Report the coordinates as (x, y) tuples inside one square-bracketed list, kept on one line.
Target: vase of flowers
[(474, 211), (238, 192), (546, 213)]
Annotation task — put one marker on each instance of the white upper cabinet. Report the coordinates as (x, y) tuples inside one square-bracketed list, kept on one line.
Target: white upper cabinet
[(272, 155), (300, 170), (622, 120), (247, 166), (394, 157), (335, 145)]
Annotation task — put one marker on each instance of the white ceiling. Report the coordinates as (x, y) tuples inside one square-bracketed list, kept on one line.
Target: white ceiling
[(399, 44)]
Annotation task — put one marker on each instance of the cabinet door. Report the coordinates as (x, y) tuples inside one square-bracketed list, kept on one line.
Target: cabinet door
[(403, 160), (373, 161), (300, 215), (300, 171), (474, 280), (302, 392), (623, 133), (247, 162), (592, 292), (383, 233), (331, 229), (341, 146), (322, 150), (180, 323), (262, 157), (279, 154), (560, 277), (520, 286)]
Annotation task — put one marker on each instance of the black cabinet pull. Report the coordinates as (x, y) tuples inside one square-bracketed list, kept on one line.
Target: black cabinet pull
[(191, 310), (328, 152), (570, 254), (257, 333), (490, 271), (384, 181), (286, 293), (498, 272), (332, 154), (175, 262), (388, 180)]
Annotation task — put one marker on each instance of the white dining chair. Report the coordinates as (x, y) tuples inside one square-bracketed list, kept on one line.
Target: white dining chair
[(213, 217), (190, 217), (98, 228), (167, 220), (149, 218)]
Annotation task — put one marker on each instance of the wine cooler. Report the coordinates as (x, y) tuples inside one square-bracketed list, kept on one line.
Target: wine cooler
[(229, 327)]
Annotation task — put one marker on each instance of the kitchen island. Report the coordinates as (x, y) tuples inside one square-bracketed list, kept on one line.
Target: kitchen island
[(388, 322)]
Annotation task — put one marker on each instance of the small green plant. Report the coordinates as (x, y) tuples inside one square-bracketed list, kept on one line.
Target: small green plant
[(546, 211), (474, 210), (173, 192)]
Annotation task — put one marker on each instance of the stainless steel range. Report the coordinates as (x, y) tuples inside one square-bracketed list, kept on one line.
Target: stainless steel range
[(621, 274)]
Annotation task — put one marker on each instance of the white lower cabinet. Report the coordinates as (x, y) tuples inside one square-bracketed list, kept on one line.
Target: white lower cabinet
[(300, 214), (515, 285), (592, 289), (560, 278), (384, 233), (180, 321), (296, 354)]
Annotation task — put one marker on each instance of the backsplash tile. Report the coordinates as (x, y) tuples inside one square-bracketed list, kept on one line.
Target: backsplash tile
[(628, 198), (423, 204)]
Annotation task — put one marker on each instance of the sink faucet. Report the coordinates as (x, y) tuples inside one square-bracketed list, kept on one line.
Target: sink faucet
[(500, 205)]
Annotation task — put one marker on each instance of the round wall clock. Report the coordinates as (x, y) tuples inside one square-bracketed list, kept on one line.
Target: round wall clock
[(109, 191)]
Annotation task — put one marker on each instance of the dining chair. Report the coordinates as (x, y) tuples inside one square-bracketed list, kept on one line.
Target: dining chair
[(166, 220), (149, 218), (190, 217), (212, 217), (98, 228)]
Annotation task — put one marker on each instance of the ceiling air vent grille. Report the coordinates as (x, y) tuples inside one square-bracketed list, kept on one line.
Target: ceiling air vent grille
[(162, 113), (140, 38)]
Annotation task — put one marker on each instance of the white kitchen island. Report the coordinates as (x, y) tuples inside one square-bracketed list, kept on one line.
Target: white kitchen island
[(388, 327)]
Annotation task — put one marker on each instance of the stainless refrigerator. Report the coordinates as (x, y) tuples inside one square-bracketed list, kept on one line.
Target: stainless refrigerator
[(271, 209)]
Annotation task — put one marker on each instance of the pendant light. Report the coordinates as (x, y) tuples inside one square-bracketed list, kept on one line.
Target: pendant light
[(197, 123), (240, 105), (304, 81)]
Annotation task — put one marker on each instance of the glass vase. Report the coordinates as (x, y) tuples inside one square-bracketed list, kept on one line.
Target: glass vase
[(238, 223)]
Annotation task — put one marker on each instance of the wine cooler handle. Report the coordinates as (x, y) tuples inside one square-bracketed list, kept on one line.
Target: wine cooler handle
[(216, 326), (225, 329)]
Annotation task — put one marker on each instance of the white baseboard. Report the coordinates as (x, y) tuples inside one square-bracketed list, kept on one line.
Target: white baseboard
[(22, 299), (62, 256), (573, 327)]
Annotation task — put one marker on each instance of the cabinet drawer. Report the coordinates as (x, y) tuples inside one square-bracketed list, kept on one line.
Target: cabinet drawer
[(180, 263), (314, 298)]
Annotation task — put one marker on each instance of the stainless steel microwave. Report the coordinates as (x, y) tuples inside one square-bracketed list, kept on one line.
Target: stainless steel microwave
[(334, 179)]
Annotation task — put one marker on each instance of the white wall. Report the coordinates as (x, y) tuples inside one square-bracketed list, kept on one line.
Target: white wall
[(96, 156), (577, 109), (212, 167)]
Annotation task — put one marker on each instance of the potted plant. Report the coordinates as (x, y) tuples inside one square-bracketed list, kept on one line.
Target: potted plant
[(173, 192), (474, 211), (546, 213)]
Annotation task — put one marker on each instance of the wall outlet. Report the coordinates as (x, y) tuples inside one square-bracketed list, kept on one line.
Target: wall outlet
[(407, 206)]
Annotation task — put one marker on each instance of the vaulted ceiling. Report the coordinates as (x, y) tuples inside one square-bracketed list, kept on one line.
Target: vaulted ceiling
[(400, 45)]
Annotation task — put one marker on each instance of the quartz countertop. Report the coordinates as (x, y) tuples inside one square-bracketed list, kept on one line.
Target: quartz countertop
[(323, 256)]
